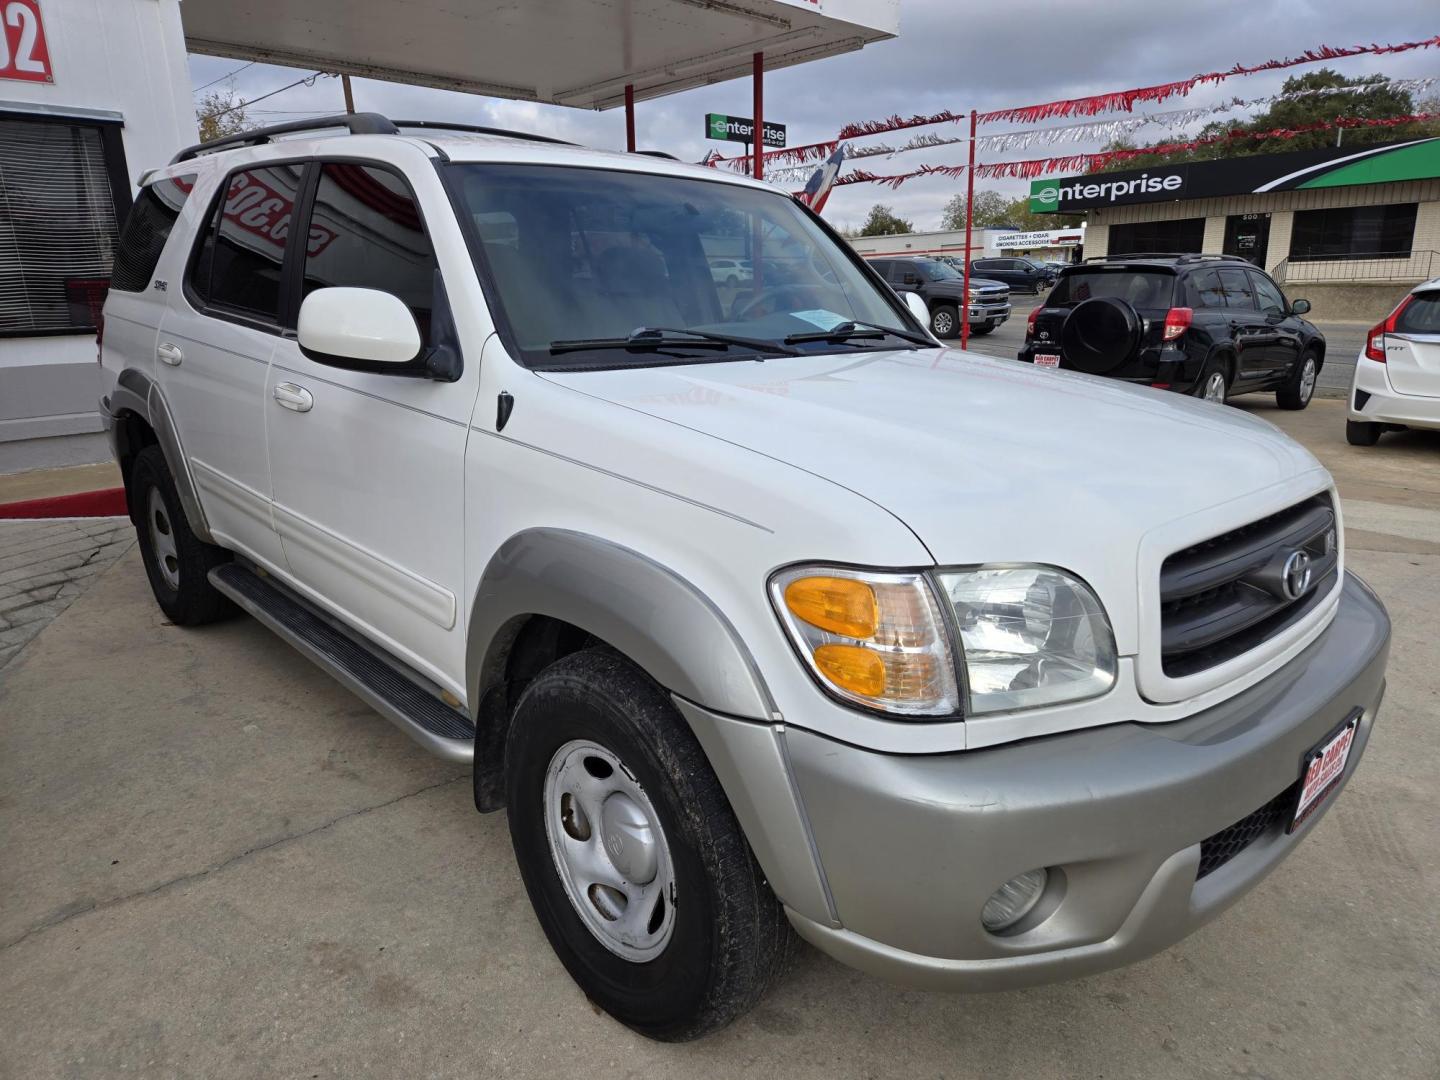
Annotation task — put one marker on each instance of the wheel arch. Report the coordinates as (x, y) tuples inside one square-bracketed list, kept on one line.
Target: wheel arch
[(142, 417)]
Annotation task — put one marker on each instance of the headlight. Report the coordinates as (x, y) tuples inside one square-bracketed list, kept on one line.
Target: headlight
[(872, 638), (1031, 635)]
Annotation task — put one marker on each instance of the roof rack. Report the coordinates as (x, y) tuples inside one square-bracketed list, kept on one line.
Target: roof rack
[(368, 123), (1179, 257), (659, 154), (476, 129)]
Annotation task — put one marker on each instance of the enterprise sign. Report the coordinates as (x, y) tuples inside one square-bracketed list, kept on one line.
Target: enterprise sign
[(741, 129), (1332, 166)]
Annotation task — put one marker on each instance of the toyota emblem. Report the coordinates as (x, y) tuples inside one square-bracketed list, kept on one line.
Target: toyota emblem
[(1296, 575)]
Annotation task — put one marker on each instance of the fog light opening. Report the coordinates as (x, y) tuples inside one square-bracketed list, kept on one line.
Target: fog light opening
[(1014, 900)]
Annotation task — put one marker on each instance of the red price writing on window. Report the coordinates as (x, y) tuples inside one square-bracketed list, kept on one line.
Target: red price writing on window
[(24, 53)]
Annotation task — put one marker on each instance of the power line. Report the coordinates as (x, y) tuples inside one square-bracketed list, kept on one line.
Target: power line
[(222, 78), (308, 80)]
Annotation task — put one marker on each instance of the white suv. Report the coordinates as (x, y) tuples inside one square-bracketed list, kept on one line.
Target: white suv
[(756, 611)]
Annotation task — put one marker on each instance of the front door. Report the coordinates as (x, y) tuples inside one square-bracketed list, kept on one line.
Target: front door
[(1283, 348), (1249, 329), (1248, 236), (215, 344), (368, 469)]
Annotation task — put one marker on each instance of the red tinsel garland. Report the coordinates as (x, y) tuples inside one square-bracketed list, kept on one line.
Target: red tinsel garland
[(1093, 162), (1125, 100)]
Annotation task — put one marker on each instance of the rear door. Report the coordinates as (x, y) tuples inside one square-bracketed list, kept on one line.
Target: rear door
[(1249, 330), (1412, 350), (215, 344)]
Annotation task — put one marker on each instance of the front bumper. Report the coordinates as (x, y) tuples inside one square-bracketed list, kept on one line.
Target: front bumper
[(994, 314), (906, 849)]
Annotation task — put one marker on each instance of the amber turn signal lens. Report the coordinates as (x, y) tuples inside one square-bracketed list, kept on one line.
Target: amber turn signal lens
[(840, 605), (861, 671)]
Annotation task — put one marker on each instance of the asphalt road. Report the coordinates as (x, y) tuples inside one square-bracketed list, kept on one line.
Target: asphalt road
[(215, 862), (1344, 340)]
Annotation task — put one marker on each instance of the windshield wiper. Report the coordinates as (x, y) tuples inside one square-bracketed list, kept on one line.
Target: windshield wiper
[(853, 329), (658, 338)]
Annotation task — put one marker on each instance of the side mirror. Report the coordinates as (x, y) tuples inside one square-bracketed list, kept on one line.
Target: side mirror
[(1299, 307), (916, 303), (360, 329)]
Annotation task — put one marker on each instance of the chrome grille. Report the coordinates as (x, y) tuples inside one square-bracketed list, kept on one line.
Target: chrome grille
[(1224, 596)]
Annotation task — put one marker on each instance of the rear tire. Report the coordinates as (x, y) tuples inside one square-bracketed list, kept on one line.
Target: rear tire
[(1362, 432), (1299, 389), (177, 561), (945, 321), (672, 964), (1214, 382)]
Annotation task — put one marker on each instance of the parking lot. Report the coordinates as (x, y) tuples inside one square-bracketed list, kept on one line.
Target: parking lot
[(216, 862), (1343, 343)]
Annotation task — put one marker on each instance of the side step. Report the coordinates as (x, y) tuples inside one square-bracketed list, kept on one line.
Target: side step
[(402, 699)]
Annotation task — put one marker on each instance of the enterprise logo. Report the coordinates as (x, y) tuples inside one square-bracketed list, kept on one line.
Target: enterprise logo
[(1049, 196)]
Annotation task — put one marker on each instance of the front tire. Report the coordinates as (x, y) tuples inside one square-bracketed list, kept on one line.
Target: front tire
[(981, 329), (177, 561), (1300, 387), (634, 863), (945, 321), (1362, 432)]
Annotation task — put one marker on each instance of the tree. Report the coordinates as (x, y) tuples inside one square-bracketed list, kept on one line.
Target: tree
[(991, 211), (1380, 103), (1019, 214), (220, 113), (883, 222)]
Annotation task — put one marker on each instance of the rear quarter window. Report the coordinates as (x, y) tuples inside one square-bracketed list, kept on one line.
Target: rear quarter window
[(148, 227), (1144, 289), (1421, 315)]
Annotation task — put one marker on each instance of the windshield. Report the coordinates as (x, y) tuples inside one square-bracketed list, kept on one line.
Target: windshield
[(935, 270), (591, 256)]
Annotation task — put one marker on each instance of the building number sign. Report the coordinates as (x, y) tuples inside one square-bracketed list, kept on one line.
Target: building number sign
[(24, 53)]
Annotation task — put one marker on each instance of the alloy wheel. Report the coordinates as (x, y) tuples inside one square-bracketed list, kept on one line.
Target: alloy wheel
[(1215, 387), (1307, 379), (610, 850)]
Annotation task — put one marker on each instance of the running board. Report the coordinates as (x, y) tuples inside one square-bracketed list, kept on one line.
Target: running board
[(402, 699)]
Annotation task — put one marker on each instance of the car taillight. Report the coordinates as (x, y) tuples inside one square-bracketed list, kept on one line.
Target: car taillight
[(1030, 322), (1177, 321), (1375, 339)]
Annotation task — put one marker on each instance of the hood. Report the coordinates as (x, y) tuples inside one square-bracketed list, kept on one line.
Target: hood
[(984, 459)]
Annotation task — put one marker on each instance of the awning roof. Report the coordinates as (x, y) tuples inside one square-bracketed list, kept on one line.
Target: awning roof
[(565, 52)]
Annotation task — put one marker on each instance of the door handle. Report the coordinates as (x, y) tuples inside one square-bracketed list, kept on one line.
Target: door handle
[(169, 354), (295, 398)]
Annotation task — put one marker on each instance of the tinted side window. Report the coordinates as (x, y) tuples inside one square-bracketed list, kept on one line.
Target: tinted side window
[(237, 267), (146, 230), (366, 233), (1204, 290), (1271, 301), (881, 267), (1238, 291)]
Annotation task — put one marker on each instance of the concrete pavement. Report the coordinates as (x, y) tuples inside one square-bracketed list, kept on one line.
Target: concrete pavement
[(216, 863)]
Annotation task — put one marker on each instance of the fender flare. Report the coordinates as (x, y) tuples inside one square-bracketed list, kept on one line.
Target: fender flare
[(135, 392), (631, 602)]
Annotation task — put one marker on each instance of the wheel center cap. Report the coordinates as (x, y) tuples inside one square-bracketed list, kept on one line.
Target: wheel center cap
[(629, 839)]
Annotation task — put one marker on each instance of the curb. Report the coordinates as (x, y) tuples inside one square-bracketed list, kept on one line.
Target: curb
[(107, 503)]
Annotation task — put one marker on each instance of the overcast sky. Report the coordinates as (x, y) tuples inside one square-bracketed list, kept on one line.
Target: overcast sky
[(950, 55)]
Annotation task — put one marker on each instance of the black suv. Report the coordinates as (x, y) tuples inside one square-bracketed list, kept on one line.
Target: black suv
[(941, 286), (1207, 325), (1020, 274)]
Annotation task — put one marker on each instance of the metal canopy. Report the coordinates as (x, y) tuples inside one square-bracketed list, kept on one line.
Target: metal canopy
[(565, 52)]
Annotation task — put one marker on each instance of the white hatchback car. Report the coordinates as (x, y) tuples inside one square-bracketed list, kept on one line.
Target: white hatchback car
[(1397, 374)]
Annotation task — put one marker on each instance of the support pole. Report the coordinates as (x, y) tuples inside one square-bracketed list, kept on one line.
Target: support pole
[(757, 159), (630, 118), (349, 94), (969, 219)]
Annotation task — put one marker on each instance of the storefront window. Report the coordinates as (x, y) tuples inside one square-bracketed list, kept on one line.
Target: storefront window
[(58, 217), (1182, 236), (1354, 232)]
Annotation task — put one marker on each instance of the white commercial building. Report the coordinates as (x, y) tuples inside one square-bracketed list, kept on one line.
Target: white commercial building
[(92, 93), (984, 243)]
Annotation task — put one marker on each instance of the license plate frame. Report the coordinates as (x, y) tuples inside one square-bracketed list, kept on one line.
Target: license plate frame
[(1050, 360), (1319, 778)]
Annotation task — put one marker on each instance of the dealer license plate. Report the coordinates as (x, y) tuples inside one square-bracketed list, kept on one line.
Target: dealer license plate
[(1047, 360), (1323, 768)]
